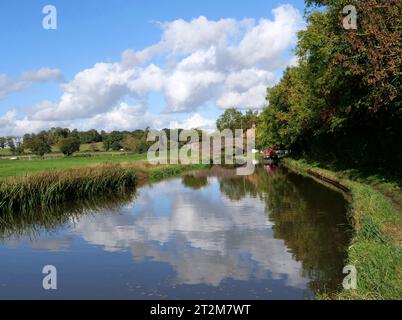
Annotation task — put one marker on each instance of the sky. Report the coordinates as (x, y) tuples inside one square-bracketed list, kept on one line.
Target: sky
[(123, 65)]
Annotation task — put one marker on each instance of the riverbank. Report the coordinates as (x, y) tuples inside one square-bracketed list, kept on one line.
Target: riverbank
[(375, 249), (46, 189)]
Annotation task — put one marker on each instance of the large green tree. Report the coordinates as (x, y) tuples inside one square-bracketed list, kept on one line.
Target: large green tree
[(39, 145), (69, 145), (233, 119), (342, 102)]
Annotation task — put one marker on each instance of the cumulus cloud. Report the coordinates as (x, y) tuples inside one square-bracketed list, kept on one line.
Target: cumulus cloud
[(202, 235), (126, 117), (246, 88), (196, 121), (227, 62), (92, 91), (12, 124), (121, 117)]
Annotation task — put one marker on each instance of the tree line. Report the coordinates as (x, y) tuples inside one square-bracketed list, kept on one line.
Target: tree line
[(69, 141), (342, 102)]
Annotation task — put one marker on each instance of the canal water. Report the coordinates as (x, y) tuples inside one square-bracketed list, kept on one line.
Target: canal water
[(206, 235)]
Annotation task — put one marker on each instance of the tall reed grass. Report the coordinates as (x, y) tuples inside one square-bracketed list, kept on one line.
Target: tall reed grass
[(31, 223), (57, 187)]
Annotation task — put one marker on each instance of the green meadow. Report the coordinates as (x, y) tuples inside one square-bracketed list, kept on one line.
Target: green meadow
[(13, 168)]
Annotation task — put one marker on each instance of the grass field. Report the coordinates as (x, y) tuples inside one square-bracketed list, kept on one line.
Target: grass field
[(12, 168)]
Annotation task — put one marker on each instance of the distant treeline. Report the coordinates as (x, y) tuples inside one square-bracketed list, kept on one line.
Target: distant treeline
[(342, 102), (69, 141)]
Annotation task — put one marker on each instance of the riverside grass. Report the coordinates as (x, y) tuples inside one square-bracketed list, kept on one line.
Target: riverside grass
[(56, 187), (48, 189), (375, 248)]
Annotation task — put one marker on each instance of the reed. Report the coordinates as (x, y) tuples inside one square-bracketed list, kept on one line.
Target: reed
[(33, 222), (57, 187)]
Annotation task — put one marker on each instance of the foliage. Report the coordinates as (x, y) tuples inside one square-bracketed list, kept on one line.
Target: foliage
[(53, 188), (11, 144), (342, 102), (69, 145), (136, 145), (233, 119), (113, 141), (2, 142), (39, 145), (164, 171)]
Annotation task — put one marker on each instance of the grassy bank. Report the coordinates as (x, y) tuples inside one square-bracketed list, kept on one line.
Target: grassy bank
[(55, 187), (162, 172), (375, 249)]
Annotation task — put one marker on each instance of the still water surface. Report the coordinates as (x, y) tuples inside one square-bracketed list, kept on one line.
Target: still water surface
[(206, 235)]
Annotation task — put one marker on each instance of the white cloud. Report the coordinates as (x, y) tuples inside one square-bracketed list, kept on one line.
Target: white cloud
[(196, 121), (92, 91), (265, 43), (186, 90), (227, 62), (186, 37), (11, 124), (42, 74), (122, 117), (201, 234), (126, 117), (8, 85), (246, 88)]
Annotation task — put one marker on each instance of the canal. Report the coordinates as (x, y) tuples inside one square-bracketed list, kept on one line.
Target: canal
[(205, 235)]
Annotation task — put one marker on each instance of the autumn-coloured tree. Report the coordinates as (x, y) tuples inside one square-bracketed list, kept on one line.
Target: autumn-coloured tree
[(343, 100)]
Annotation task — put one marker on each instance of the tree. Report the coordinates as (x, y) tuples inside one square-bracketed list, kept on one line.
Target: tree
[(2, 142), (249, 119), (344, 96), (19, 146), (69, 145), (113, 140), (40, 145), (130, 143), (89, 136), (27, 140), (11, 144), (230, 119), (233, 119), (138, 134), (136, 145)]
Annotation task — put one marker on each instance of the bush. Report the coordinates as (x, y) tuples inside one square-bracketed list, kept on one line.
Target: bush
[(69, 145)]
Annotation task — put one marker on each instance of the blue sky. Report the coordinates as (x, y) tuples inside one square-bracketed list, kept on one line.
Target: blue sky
[(157, 63)]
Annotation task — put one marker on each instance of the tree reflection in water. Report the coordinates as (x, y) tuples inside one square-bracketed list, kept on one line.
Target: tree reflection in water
[(310, 218)]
